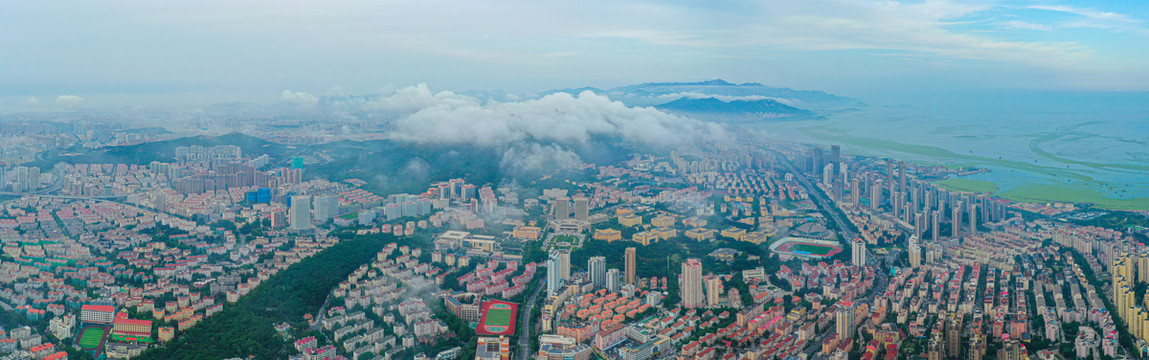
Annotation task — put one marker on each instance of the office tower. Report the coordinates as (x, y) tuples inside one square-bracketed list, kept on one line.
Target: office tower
[(956, 220), (690, 284), (819, 160), (836, 158), (844, 320), (953, 336), (562, 208), (582, 208), (326, 207), (836, 189), (859, 252), (901, 177), (596, 267), (554, 277), (630, 254), (973, 219), (915, 251), (300, 216), (713, 290), (613, 280)]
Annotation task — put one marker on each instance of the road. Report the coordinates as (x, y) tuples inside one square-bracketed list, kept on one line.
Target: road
[(880, 281), (525, 323)]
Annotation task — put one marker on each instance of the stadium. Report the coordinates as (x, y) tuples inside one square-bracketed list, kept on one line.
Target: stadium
[(805, 248)]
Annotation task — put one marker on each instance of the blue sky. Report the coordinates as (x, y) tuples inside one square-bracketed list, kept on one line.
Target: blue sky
[(62, 53)]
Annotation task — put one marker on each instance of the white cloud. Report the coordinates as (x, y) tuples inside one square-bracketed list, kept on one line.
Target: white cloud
[(1097, 19), (31, 101), (533, 158), (69, 101), (1089, 13), (1023, 25), (557, 118), (301, 98)]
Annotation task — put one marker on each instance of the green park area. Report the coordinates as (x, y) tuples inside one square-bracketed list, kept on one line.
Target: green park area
[(968, 185)]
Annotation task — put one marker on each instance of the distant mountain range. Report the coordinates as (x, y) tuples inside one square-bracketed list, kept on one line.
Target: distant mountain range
[(723, 100), (714, 106)]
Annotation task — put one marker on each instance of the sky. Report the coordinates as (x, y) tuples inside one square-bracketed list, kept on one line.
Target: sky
[(68, 54)]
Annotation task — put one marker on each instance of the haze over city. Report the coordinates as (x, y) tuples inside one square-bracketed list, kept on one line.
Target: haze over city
[(497, 180)]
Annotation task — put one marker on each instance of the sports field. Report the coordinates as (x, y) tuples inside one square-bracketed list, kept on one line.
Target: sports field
[(91, 337), (498, 318), (811, 249)]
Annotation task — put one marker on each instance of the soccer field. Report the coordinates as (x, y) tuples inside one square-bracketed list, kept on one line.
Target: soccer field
[(812, 249), (498, 317), (90, 338)]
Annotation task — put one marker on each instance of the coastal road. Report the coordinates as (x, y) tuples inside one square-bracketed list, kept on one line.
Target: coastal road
[(525, 324)]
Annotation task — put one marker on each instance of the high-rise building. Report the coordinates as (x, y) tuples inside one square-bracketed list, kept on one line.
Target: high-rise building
[(901, 177), (596, 267), (564, 263), (828, 175), (562, 208), (817, 159), (935, 225), (858, 247), (554, 277), (630, 265), (855, 192), (956, 220), (690, 284), (919, 224), (844, 320), (582, 208), (613, 280), (953, 336), (876, 195), (972, 219), (1012, 350), (915, 252), (937, 347), (300, 212), (713, 290), (836, 158), (326, 207)]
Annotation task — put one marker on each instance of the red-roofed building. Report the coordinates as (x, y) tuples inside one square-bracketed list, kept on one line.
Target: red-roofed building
[(98, 314), (131, 327)]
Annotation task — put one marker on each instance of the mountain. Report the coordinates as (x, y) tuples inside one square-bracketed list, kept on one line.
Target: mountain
[(163, 151), (723, 87), (764, 108)]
